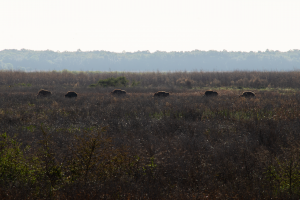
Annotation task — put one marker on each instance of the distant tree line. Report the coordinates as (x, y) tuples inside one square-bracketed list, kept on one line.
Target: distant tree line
[(269, 60)]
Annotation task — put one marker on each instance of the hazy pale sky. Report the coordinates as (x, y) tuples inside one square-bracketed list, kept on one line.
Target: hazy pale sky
[(164, 25)]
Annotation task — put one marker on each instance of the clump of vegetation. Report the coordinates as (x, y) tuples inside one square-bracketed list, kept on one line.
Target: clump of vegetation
[(112, 82), (284, 173), (21, 84), (135, 83), (93, 85), (17, 170)]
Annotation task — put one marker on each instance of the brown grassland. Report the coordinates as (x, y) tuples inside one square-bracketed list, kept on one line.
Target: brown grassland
[(184, 146)]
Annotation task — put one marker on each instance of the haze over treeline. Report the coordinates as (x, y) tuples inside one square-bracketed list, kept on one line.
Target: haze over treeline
[(269, 60)]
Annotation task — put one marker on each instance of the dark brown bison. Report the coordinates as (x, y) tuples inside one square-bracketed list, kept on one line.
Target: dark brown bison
[(161, 94), (71, 95), (118, 92), (248, 94), (43, 93), (210, 93)]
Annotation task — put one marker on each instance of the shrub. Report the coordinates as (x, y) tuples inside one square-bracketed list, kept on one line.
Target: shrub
[(112, 82), (135, 83), (93, 85), (15, 168)]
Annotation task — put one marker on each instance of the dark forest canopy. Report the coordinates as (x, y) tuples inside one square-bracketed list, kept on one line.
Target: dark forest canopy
[(269, 60)]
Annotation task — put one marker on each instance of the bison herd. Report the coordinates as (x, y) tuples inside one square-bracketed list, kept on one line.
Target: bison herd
[(119, 92), (246, 94), (46, 93)]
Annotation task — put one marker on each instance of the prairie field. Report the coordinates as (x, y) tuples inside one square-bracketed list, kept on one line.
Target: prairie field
[(184, 146)]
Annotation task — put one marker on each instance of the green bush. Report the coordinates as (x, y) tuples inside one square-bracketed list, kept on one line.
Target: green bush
[(135, 83), (93, 85), (112, 82), (15, 168), (284, 176)]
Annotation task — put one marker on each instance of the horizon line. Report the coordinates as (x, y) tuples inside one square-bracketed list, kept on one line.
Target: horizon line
[(148, 51)]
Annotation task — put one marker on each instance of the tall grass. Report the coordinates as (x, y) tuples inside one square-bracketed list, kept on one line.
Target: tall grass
[(195, 79), (185, 146)]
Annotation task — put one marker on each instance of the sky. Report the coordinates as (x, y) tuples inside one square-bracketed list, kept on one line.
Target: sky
[(156, 25)]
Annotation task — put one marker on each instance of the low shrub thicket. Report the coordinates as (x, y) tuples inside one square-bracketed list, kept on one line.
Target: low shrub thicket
[(184, 146)]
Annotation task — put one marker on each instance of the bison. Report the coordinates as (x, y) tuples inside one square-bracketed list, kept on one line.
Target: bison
[(210, 93), (248, 94), (118, 92), (71, 95), (161, 94), (43, 93)]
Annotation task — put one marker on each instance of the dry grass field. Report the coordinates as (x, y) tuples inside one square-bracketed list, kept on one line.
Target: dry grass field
[(184, 146)]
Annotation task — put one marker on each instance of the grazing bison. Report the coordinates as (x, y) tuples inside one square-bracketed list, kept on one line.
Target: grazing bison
[(43, 93), (210, 93), (71, 95), (161, 94), (118, 92), (248, 94)]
